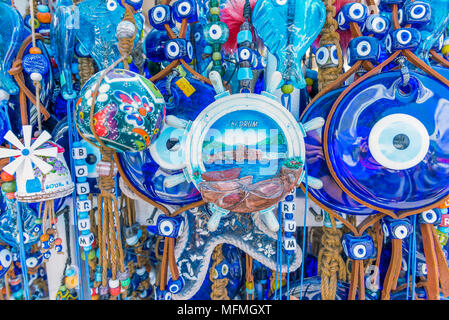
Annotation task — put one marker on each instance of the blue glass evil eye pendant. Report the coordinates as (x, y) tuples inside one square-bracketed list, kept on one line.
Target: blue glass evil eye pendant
[(385, 142)]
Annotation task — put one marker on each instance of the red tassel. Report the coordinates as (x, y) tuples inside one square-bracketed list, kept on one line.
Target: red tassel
[(232, 15)]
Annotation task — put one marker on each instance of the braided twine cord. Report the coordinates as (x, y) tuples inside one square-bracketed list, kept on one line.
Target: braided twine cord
[(329, 35), (219, 291)]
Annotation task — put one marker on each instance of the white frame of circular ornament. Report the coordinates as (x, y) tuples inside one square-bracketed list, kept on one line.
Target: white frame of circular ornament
[(291, 129)]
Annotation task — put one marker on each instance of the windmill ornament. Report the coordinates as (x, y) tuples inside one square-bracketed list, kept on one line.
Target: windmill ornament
[(41, 171)]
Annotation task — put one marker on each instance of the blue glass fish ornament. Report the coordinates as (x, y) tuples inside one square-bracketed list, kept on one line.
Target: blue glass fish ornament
[(62, 32), (288, 28), (11, 35), (199, 44), (431, 32)]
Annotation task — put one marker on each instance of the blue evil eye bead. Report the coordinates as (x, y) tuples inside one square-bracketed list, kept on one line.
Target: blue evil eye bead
[(179, 49), (386, 5), (170, 227), (432, 216), (421, 268), (163, 294), (58, 248), (376, 25), (135, 4), (185, 9), (363, 48), (81, 51), (396, 228), (417, 13), (352, 12), (5, 260), (33, 262), (244, 54), (46, 255), (35, 63), (216, 32), (358, 248), (160, 15), (327, 56), (175, 286), (401, 39)]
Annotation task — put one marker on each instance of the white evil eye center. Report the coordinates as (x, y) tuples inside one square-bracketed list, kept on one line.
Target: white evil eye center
[(423, 268), (189, 50), (281, 2), (215, 32), (31, 262), (418, 11), (404, 36), (356, 11), (184, 8), (245, 54), (197, 36), (341, 19), (400, 232), (159, 14), (173, 49), (224, 269), (363, 48), (385, 230), (112, 5), (334, 55), (430, 216), (166, 227), (400, 16), (378, 24), (322, 56), (5, 258), (359, 250)]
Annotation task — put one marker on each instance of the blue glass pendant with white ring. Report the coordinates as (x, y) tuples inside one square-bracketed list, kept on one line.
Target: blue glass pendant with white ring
[(387, 145)]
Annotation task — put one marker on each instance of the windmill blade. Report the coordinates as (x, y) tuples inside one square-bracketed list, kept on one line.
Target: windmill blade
[(27, 170), (6, 153), (41, 164), (43, 137), (12, 167), (47, 152), (11, 138), (27, 131)]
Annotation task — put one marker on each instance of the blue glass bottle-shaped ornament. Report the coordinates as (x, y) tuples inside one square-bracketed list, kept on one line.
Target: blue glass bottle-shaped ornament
[(288, 28), (11, 35), (63, 27)]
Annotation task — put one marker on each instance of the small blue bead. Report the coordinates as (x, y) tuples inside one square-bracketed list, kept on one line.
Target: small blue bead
[(80, 162), (245, 74), (289, 198), (77, 144), (208, 50), (244, 35), (81, 179), (443, 229), (83, 197), (288, 216), (83, 215)]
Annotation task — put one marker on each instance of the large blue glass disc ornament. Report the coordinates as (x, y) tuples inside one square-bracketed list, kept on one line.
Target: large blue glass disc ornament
[(330, 196), (387, 146)]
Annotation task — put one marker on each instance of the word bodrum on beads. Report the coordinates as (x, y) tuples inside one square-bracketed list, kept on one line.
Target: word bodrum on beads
[(128, 114), (386, 143), (330, 196)]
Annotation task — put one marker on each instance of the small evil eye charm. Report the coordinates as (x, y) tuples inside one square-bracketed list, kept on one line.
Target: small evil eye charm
[(175, 286), (46, 255), (258, 62), (179, 49), (401, 39), (327, 56), (396, 228), (135, 4), (417, 13), (34, 261), (376, 25), (160, 15), (352, 12), (170, 227), (432, 216), (421, 268), (216, 32), (185, 9), (363, 48), (358, 248), (244, 54), (37, 229), (132, 234)]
